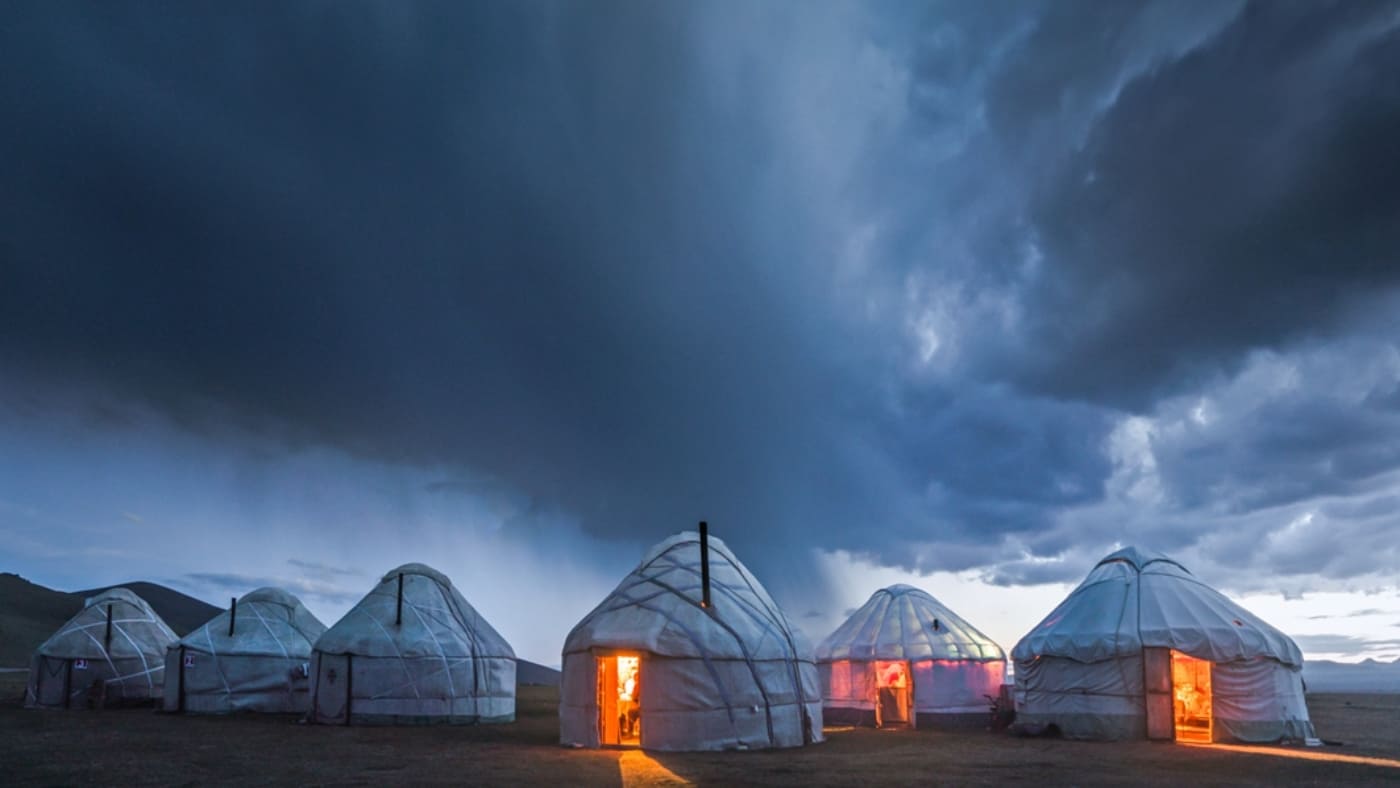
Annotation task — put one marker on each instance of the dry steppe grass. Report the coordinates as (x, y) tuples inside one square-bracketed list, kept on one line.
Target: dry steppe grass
[(140, 746)]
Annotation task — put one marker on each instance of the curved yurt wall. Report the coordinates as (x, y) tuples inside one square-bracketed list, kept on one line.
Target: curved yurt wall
[(731, 675), (111, 652), (1144, 649), (413, 651), (255, 656), (905, 658)]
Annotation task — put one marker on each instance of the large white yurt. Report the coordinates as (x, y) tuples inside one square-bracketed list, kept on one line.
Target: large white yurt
[(413, 651), (689, 652), (255, 656), (903, 658), (112, 652), (1143, 649)]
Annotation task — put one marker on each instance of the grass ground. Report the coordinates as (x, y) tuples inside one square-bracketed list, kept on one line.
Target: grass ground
[(142, 747)]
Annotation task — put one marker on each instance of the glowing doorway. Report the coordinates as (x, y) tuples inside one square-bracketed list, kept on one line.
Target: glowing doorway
[(1191, 696), (620, 700), (894, 694)]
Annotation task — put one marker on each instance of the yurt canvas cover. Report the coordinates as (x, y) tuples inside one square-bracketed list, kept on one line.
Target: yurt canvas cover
[(943, 667), (1142, 648), (413, 651), (116, 639), (735, 675), (263, 664)]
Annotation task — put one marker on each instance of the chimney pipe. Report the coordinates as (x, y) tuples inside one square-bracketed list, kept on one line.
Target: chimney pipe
[(398, 614), (705, 564), (232, 614), (107, 639)]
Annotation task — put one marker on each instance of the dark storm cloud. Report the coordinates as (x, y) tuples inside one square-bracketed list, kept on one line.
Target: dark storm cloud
[(1289, 429), (1023, 573), (888, 282), (541, 242), (1241, 196)]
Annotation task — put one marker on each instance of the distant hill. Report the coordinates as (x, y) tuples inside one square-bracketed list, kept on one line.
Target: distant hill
[(29, 613), (1365, 676), (527, 672)]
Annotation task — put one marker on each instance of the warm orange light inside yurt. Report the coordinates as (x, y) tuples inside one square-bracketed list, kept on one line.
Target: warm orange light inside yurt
[(1191, 698), (619, 699)]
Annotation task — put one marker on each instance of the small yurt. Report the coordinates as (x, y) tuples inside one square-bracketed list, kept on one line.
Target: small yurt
[(111, 653), (903, 658), (689, 652), (1143, 649), (413, 651), (255, 656)]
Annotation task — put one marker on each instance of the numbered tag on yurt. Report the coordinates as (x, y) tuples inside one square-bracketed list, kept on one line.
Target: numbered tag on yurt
[(189, 660), (79, 664)]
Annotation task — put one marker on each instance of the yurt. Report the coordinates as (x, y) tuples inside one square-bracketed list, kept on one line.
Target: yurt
[(1143, 649), (689, 652), (255, 656), (903, 659), (413, 651), (111, 653)]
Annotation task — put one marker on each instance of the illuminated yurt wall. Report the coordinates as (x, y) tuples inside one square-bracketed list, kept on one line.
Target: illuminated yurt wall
[(689, 652), (255, 656), (112, 651), (413, 651), (903, 658), (1144, 649)]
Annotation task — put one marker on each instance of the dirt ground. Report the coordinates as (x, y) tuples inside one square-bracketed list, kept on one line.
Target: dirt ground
[(139, 746)]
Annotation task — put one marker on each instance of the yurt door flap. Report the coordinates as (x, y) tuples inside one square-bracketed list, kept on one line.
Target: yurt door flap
[(1157, 683), (332, 702)]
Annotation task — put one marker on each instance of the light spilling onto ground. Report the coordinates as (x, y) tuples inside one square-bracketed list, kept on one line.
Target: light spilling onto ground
[(638, 768), (1306, 755)]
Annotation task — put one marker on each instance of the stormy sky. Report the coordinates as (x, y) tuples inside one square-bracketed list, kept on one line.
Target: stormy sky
[(961, 294)]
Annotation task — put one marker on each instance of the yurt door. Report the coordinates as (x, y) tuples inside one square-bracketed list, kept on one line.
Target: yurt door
[(53, 681), (1191, 693), (1157, 683), (331, 704), (894, 693), (619, 700)]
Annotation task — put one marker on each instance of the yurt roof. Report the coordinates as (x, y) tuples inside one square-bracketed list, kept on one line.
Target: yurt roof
[(437, 621), (268, 622), (657, 609), (906, 623), (136, 629), (1134, 599)]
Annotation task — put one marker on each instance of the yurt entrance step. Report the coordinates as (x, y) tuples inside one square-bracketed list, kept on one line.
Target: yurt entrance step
[(894, 699), (620, 700)]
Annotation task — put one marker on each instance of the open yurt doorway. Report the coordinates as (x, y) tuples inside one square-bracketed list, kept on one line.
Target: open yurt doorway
[(619, 700), (894, 694), (1191, 694)]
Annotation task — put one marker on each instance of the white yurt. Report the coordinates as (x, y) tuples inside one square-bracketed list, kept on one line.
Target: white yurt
[(255, 656), (903, 658), (689, 652), (112, 652), (413, 651), (1143, 649)]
